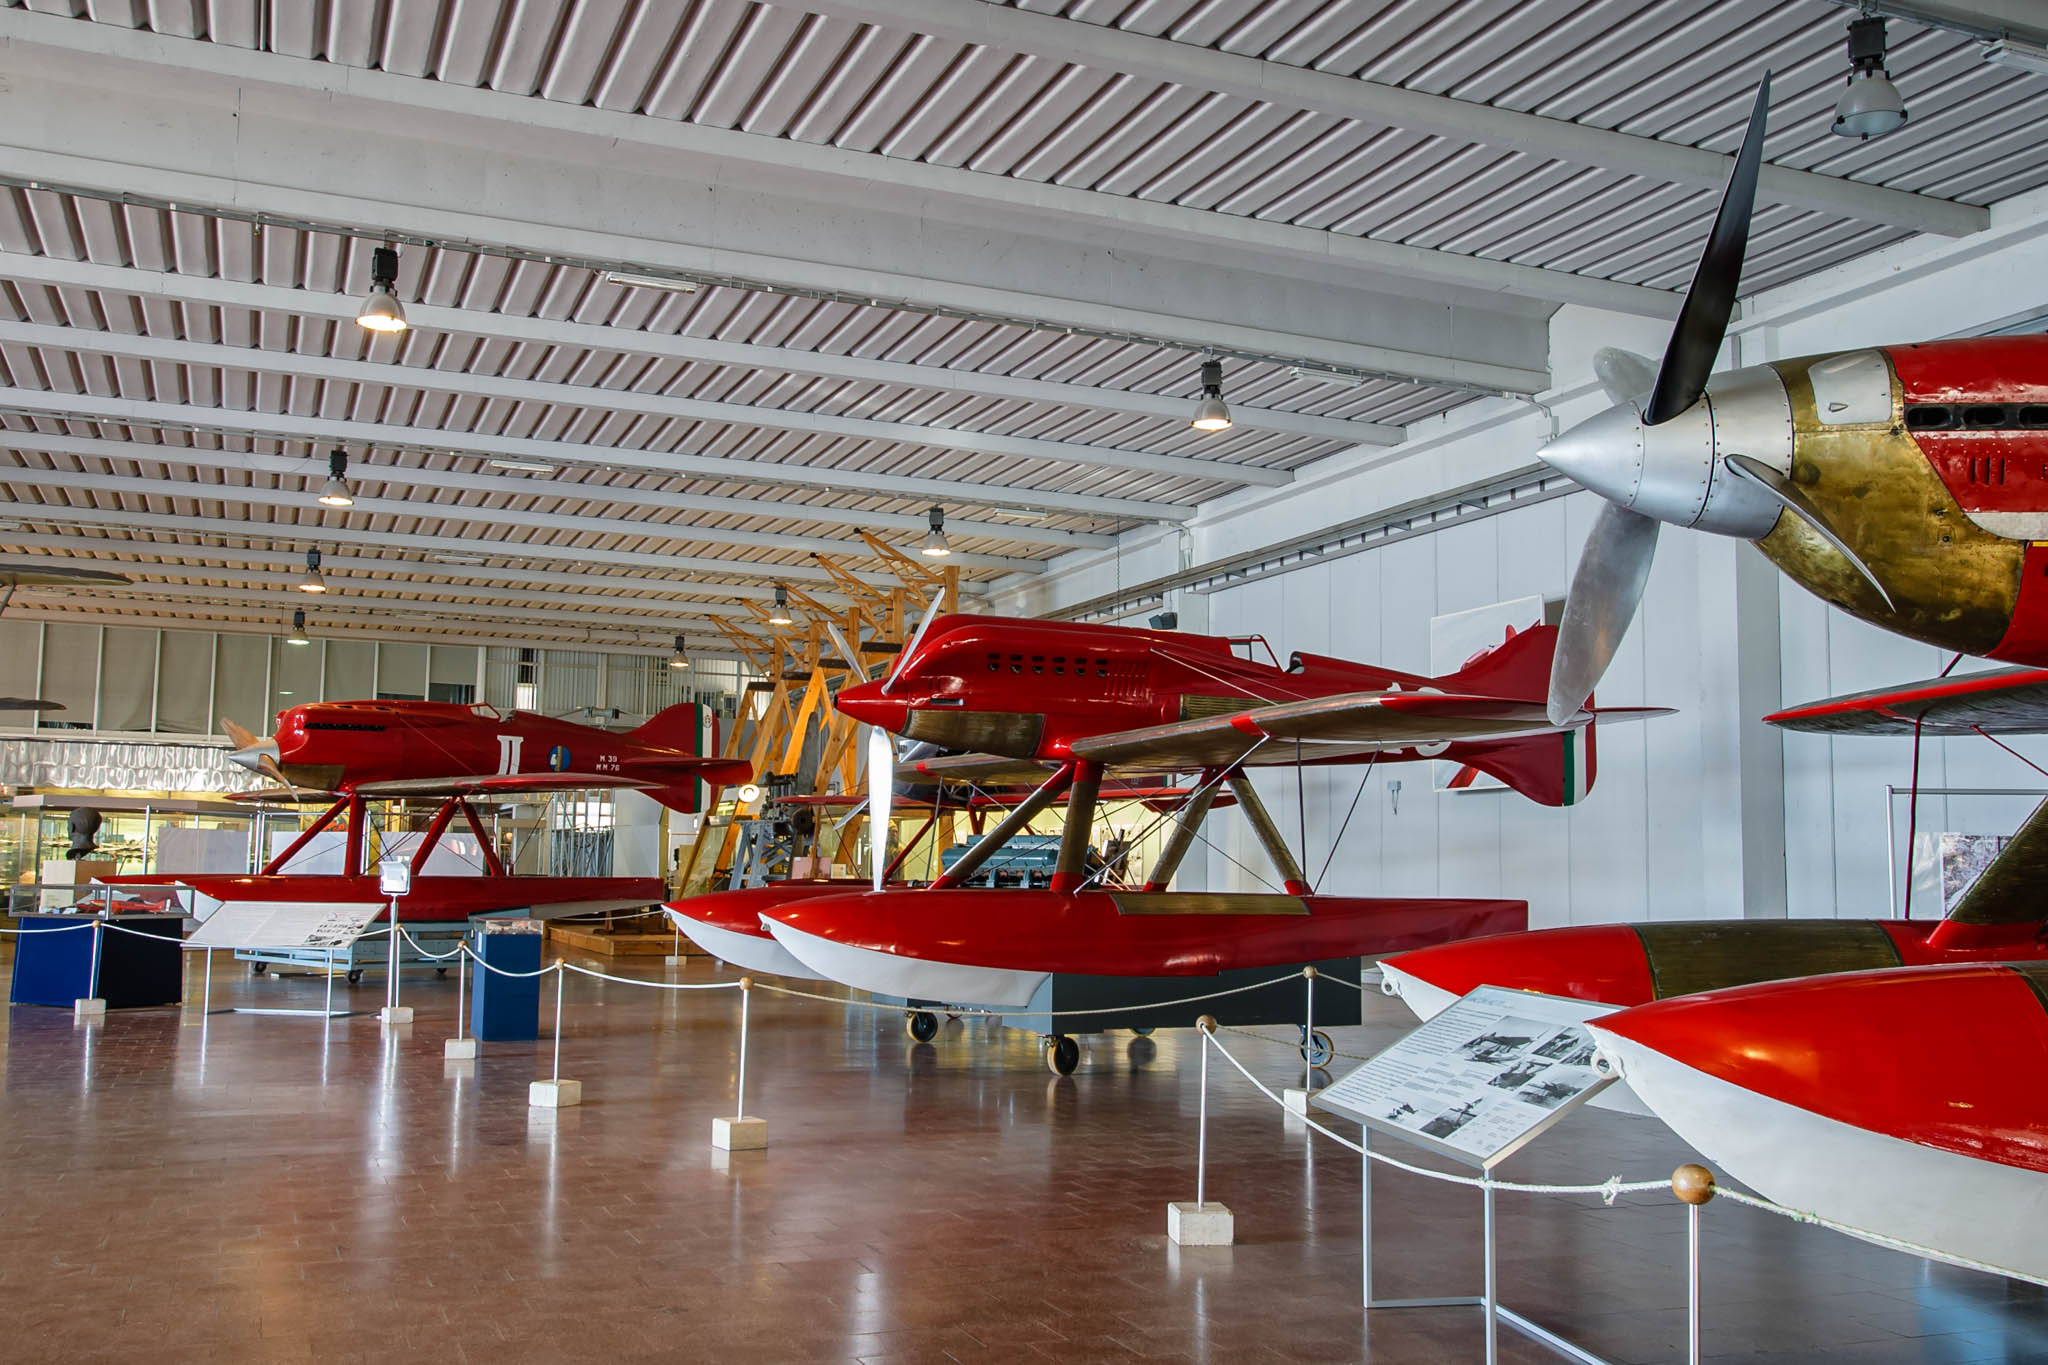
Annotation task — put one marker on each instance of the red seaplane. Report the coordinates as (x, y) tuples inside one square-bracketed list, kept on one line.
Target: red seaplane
[(358, 751), (1074, 702), (1886, 1074)]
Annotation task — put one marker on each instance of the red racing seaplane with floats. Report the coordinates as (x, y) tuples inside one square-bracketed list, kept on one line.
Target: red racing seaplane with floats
[(1890, 1075), (361, 751), (1065, 706)]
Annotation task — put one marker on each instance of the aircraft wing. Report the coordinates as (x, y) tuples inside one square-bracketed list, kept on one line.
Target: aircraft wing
[(1353, 724), (2006, 701), (993, 770), (498, 784)]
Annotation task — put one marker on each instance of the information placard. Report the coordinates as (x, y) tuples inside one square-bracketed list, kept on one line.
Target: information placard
[(286, 924), (1480, 1079)]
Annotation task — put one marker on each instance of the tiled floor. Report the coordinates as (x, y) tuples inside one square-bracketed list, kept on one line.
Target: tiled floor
[(238, 1191)]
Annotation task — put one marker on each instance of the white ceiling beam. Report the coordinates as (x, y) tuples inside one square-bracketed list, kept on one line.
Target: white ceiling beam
[(243, 495), (324, 535), (56, 272), (224, 104), (292, 427), (535, 486), (344, 588), (151, 556), (656, 618), (647, 404), (183, 616), (1102, 48)]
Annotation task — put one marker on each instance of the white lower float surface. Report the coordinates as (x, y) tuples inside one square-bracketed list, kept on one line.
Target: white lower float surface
[(748, 952), (1979, 1210), (913, 978)]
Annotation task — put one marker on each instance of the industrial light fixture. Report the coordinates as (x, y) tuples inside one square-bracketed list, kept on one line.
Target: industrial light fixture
[(381, 310), (669, 282), (1349, 378), (523, 466), (312, 580), (935, 543), (1871, 106), (335, 493), (298, 635), (2016, 53), (681, 658), (780, 615), (1211, 413)]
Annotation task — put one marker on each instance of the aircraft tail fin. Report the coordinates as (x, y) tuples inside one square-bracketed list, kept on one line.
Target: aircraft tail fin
[(1517, 669), (1554, 769), (2006, 904), (673, 727)]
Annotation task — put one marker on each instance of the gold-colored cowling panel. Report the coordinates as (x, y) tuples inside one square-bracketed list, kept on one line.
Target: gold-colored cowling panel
[(1009, 733), (1953, 583), (1685, 958)]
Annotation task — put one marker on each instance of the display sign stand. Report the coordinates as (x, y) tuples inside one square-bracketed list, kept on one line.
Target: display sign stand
[(1476, 1084), (394, 879), (281, 924)]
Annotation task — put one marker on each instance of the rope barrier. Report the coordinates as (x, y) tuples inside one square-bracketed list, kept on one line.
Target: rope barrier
[(977, 1012), (653, 985)]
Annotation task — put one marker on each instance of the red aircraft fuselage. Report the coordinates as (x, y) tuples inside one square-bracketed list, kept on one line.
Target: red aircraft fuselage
[(342, 745), (1027, 688)]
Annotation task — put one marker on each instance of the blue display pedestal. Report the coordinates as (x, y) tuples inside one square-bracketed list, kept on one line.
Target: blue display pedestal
[(506, 1009), (53, 961)]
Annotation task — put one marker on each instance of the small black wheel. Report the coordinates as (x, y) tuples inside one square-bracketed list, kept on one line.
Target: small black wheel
[(1145, 1032), (1316, 1049), (258, 968), (923, 1025), (440, 971), (355, 977), (1062, 1054)]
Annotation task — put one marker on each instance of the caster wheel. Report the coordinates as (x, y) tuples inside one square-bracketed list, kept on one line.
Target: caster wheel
[(355, 977), (1143, 1032), (441, 972), (922, 1024), (258, 968), (1316, 1049), (1062, 1055)]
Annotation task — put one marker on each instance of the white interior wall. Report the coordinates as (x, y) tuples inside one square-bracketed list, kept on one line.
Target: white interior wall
[(1704, 814)]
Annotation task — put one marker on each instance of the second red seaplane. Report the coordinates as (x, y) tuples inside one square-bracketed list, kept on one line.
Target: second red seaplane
[(1069, 703)]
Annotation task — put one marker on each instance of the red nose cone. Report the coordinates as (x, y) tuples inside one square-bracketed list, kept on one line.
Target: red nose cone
[(1600, 962), (1954, 1057), (865, 703)]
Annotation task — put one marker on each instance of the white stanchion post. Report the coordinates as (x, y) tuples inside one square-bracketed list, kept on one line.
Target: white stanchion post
[(740, 1133), (206, 985), (1201, 1224), (1365, 1211), (91, 1005), (556, 1093), (459, 1048), (327, 1010), (1491, 1304), (1296, 1101), (1694, 1186)]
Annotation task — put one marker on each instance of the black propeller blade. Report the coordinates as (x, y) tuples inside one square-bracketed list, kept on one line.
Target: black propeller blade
[(1703, 321)]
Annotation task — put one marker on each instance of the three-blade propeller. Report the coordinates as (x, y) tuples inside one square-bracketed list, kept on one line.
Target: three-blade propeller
[(1608, 584)]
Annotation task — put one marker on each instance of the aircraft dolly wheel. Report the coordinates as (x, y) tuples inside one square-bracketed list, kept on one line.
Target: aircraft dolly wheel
[(258, 968), (1145, 1032), (1316, 1050), (1062, 1054), (355, 977), (922, 1024), (440, 971)]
